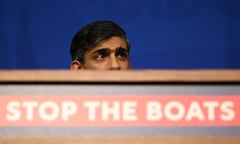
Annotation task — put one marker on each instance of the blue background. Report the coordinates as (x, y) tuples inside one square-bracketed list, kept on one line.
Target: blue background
[(164, 34)]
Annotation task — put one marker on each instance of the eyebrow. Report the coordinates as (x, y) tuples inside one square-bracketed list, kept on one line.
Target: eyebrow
[(121, 49), (118, 49), (101, 50)]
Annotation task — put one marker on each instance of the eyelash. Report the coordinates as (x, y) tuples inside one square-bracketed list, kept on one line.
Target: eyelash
[(102, 55), (122, 55)]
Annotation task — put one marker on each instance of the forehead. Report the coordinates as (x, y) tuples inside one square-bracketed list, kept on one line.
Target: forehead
[(111, 43)]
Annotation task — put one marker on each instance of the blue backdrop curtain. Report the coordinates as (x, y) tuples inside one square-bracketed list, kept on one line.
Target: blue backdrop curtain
[(164, 34)]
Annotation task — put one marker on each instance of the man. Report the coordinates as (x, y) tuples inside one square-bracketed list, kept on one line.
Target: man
[(100, 45)]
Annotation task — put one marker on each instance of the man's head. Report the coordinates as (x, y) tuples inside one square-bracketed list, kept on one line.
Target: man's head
[(101, 45)]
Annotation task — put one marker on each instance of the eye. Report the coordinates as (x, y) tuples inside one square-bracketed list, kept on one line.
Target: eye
[(122, 55), (101, 55)]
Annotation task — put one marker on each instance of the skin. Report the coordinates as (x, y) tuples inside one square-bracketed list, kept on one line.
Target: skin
[(111, 54)]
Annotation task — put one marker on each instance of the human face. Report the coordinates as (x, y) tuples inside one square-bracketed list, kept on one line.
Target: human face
[(110, 54)]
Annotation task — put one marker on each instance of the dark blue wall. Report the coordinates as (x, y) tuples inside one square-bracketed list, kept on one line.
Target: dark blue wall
[(165, 34)]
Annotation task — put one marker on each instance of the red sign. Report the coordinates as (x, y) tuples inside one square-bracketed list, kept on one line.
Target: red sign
[(116, 110)]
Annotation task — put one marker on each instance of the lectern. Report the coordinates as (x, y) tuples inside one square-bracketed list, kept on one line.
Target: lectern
[(137, 106)]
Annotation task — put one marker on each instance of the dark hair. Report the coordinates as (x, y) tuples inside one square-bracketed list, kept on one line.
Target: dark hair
[(90, 35)]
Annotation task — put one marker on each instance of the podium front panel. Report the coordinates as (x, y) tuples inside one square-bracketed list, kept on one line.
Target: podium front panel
[(120, 112)]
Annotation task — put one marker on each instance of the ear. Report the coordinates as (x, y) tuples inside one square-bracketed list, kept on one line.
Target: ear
[(76, 65)]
